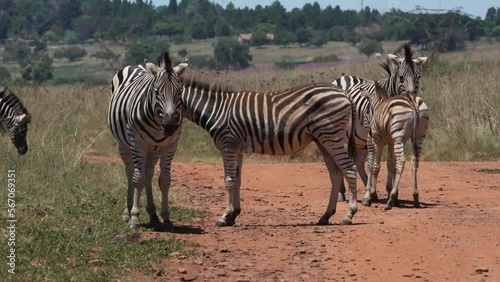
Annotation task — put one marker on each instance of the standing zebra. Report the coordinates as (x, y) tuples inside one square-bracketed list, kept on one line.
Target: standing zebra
[(144, 116), (393, 121), (402, 76), (14, 119), (274, 123)]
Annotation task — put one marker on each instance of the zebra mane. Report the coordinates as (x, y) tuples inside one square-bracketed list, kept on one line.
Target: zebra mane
[(192, 81), (404, 51), (386, 69)]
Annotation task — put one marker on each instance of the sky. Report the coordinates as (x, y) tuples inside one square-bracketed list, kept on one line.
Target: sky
[(474, 7)]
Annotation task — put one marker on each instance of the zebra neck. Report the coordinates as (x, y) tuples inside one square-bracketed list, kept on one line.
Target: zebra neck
[(205, 107), (8, 111)]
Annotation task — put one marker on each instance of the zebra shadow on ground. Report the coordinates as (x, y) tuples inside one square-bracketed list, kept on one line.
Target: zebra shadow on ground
[(408, 204), (299, 225), (178, 229)]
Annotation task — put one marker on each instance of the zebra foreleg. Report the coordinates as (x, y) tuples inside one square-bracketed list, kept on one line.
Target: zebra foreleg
[(231, 171), (126, 156), (151, 160), (138, 180), (164, 182)]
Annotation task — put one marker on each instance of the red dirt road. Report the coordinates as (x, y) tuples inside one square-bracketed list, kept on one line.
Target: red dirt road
[(455, 236)]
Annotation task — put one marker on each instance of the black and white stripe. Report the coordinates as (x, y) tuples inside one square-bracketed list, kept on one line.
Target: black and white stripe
[(145, 116), (274, 123), (403, 75), (14, 119), (393, 121)]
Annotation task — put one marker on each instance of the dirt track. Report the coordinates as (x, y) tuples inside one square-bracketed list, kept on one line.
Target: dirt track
[(455, 236)]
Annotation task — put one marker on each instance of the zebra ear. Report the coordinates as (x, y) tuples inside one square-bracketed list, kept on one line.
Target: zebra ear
[(24, 118), (393, 60), (179, 69), (154, 69), (164, 62), (419, 61)]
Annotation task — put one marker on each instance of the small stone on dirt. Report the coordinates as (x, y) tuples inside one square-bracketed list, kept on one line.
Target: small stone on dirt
[(182, 270), (481, 270), (224, 250), (191, 277), (301, 194)]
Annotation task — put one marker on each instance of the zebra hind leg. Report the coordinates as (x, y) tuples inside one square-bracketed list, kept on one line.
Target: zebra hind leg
[(232, 170), (334, 155)]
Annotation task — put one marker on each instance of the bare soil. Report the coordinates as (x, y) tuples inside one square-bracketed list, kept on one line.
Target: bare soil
[(454, 236)]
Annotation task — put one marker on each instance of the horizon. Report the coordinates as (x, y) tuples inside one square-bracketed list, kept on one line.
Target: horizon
[(476, 9)]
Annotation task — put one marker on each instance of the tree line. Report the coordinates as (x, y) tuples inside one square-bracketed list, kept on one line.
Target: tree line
[(80, 20), (145, 29)]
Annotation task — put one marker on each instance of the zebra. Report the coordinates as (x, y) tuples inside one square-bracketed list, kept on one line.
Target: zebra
[(14, 119), (393, 120), (402, 75), (274, 123), (144, 116)]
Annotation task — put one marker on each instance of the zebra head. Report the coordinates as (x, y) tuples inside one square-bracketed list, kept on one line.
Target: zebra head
[(167, 89), (404, 74), (14, 119)]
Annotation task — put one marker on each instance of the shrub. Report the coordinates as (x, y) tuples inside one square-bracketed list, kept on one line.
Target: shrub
[(4, 74), (72, 53)]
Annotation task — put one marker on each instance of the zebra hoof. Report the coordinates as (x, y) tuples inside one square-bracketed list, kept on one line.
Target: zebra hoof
[(223, 223), (346, 221), (387, 207), (322, 221), (154, 221), (168, 226), (133, 226), (341, 198), (366, 202), (416, 204)]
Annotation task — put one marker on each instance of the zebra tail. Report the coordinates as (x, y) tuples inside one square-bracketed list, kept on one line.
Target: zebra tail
[(416, 113), (351, 146)]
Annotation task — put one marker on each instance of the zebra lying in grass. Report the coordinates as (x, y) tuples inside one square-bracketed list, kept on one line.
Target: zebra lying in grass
[(402, 76), (14, 119), (394, 120), (274, 123), (145, 117)]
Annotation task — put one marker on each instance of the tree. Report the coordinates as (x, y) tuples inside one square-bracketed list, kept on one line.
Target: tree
[(39, 69), (259, 38), (172, 7), (304, 35), (369, 47), (284, 37), (230, 53), (4, 74), (491, 14)]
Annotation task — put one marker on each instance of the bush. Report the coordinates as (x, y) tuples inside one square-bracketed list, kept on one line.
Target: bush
[(72, 53), (327, 58), (200, 62), (70, 37)]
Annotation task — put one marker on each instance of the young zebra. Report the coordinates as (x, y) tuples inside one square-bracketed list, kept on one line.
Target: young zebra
[(393, 121), (402, 76), (274, 123), (14, 119), (145, 116)]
